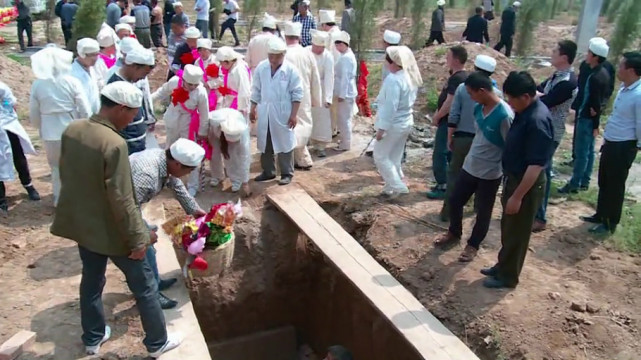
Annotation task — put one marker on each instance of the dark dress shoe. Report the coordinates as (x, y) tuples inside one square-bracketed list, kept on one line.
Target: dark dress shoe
[(602, 229), (491, 271), (285, 180), (33, 193), (591, 219), (584, 188), (264, 177), (304, 168), (494, 283), (567, 189), (165, 284), (165, 302)]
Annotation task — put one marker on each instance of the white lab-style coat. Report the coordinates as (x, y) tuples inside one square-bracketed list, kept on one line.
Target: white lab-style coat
[(395, 117), (257, 50), (239, 80), (90, 84), (345, 88), (322, 129), (9, 123), (274, 96), (240, 157)]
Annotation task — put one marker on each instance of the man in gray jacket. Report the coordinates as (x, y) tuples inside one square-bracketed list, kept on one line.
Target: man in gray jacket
[(438, 24)]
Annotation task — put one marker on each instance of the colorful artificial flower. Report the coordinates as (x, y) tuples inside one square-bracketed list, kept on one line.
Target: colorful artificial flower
[(212, 70), (187, 58), (179, 96), (224, 91)]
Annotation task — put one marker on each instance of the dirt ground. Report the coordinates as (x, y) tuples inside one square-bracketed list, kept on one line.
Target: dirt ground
[(40, 273)]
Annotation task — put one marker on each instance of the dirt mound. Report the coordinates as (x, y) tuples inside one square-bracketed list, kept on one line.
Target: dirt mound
[(21, 80)]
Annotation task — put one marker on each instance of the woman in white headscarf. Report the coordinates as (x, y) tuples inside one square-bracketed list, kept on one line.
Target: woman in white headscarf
[(56, 100), (395, 116), (229, 137)]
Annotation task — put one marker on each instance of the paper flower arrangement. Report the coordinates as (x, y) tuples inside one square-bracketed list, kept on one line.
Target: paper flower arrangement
[(179, 96)]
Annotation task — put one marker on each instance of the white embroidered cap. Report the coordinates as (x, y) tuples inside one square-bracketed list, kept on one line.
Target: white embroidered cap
[(293, 29), (227, 53), (485, 62), (392, 37), (123, 93), (123, 27), (192, 33), (187, 152), (127, 19), (599, 46), (276, 45), (105, 39), (128, 44), (204, 43), (440, 2), (232, 123), (327, 16), (87, 46), (140, 56), (343, 36), (192, 74), (319, 38), (269, 21)]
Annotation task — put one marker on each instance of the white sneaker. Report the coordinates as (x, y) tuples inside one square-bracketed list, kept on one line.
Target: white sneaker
[(173, 341), (93, 350)]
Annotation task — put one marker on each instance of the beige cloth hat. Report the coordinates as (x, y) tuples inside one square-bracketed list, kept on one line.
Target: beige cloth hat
[(343, 36), (123, 93), (404, 57), (87, 46), (187, 152), (293, 29), (193, 74), (319, 38), (276, 45), (327, 16)]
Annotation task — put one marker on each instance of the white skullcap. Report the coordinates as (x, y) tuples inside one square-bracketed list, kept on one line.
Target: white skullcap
[(327, 16), (178, 3), (517, 3), (227, 53), (127, 19), (192, 33), (343, 36), (128, 44), (192, 74), (232, 123), (51, 62), (392, 37), (140, 56), (187, 152), (440, 2), (305, 2), (485, 62), (319, 38), (123, 93), (204, 43), (123, 27), (269, 21), (87, 46), (276, 45), (105, 39), (293, 29), (598, 46), (404, 57)]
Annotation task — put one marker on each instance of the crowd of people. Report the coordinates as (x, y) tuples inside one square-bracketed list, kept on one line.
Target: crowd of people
[(296, 90)]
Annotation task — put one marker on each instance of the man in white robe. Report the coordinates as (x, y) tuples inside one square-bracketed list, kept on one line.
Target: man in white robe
[(328, 23), (259, 45), (344, 90), (322, 121), (305, 63), (83, 70), (277, 93)]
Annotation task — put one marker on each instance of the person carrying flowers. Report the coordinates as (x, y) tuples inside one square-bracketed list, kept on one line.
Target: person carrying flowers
[(229, 137)]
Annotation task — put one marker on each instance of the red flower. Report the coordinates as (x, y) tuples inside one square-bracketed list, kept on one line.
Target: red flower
[(224, 91), (212, 70), (187, 58), (179, 95)]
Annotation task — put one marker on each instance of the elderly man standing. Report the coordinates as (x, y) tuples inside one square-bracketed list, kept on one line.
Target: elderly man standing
[(321, 117), (83, 70), (24, 24), (305, 63), (259, 45), (307, 20), (438, 24), (277, 93), (508, 28), (95, 166)]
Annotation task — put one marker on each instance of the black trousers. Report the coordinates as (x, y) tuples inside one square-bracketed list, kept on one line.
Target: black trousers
[(616, 160), (156, 34), (435, 35), (506, 41), (66, 31), (231, 25), (485, 190), (19, 162), (24, 25)]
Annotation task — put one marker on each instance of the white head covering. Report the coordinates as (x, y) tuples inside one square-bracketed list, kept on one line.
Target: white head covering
[(187, 152), (51, 62), (232, 123), (105, 39), (178, 3), (192, 33), (131, 20), (327, 16), (293, 29), (204, 43), (403, 57), (485, 62), (319, 38), (123, 27), (192, 74), (269, 21), (599, 46), (342, 36), (517, 4), (140, 56), (227, 53), (305, 2), (87, 46), (123, 93), (392, 37), (440, 2), (128, 44), (276, 46)]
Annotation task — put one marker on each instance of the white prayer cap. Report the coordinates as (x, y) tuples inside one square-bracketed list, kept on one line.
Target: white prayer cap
[(269, 21), (192, 33), (105, 39), (123, 27), (293, 29), (276, 45), (319, 38), (128, 20), (517, 4), (327, 16), (178, 3), (343, 36), (87, 46), (599, 46), (305, 2), (485, 62), (227, 53), (204, 43), (404, 57), (192, 74), (51, 62), (128, 44), (187, 152), (140, 56), (440, 2), (232, 123), (123, 93), (392, 37)]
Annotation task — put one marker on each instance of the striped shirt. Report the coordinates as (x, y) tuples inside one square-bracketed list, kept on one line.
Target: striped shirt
[(559, 92)]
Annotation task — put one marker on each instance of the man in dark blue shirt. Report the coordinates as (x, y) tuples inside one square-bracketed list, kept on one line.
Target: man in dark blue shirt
[(508, 28), (527, 151), (24, 24), (476, 29)]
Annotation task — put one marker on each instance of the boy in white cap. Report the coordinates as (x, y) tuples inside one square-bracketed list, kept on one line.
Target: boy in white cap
[(305, 63), (186, 52), (82, 69), (276, 96), (258, 46), (187, 114), (321, 116), (344, 89), (229, 136), (95, 166), (438, 24), (236, 85)]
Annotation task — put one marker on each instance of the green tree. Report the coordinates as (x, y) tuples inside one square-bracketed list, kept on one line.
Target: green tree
[(323, 4), (615, 9), (253, 10), (419, 8), (529, 17), (627, 28), (364, 24), (88, 20)]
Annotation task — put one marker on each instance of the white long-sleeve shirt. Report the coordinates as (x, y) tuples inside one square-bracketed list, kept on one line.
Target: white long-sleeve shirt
[(395, 101), (55, 103), (345, 76), (89, 81)]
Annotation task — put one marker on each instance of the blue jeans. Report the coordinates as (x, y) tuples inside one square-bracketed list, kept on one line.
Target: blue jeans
[(167, 27), (141, 283), (150, 257), (584, 146), (441, 155), (541, 213)]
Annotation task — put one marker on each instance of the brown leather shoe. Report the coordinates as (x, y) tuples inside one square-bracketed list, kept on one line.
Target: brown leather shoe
[(446, 239), (468, 254), (538, 226)]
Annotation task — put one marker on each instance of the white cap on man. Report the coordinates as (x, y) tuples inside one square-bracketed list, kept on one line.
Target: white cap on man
[(327, 16), (187, 152), (128, 44), (192, 74), (293, 29), (192, 33), (123, 93), (204, 43), (392, 37), (599, 47), (232, 123), (87, 46), (123, 27), (105, 39), (319, 38), (269, 21), (485, 62), (127, 19), (140, 56), (227, 53), (517, 4), (343, 36), (440, 3), (276, 45)]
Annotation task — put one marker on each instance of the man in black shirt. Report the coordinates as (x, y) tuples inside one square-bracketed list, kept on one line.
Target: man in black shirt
[(476, 29), (24, 24), (456, 58), (527, 151), (168, 13), (438, 24), (508, 28)]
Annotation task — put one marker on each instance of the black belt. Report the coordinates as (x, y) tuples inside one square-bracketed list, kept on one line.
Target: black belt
[(463, 134)]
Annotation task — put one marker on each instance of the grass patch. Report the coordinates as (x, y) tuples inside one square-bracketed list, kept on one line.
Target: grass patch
[(432, 98), (589, 196), (374, 79), (21, 60), (627, 238), (637, 160), (441, 51)]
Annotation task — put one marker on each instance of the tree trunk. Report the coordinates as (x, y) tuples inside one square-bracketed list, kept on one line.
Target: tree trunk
[(397, 9), (555, 7), (49, 28)]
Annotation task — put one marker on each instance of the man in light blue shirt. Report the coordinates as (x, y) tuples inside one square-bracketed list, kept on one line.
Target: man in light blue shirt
[(622, 140)]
